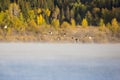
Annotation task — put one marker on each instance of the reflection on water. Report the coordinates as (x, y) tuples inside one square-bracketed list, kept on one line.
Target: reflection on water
[(59, 70)]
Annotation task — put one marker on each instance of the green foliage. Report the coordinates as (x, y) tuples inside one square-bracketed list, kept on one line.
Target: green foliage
[(78, 19), (56, 12), (25, 7), (106, 15), (4, 5), (89, 17)]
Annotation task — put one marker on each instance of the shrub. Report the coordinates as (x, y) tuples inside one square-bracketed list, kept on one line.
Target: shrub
[(114, 26), (31, 15), (102, 25), (40, 20), (9, 31), (32, 26), (65, 25), (14, 9), (84, 23), (102, 28), (73, 23), (17, 24), (55, 23), (101, 22), (21, 17), (4, 18), (47, 12), (39, 11)]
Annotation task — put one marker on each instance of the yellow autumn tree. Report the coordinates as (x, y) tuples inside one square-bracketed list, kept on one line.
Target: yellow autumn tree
[(47, 12), (65, 25), (32, 26), (17, 24), (21, 17), (2, 15), (5, 19), (101, 22), (115, 25), (84, 23), (31, 15), (39, 10), (73, 23), (40, 19), (102, 25), (55, 23), (14, 9)]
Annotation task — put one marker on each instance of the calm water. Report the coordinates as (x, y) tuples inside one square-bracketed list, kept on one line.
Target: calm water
[(59, 61)]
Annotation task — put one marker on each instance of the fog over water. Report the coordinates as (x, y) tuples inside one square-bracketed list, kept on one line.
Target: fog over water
[(43, 61), (59, 51)]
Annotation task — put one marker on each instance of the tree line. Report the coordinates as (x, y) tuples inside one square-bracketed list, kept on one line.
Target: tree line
[(49, 11)]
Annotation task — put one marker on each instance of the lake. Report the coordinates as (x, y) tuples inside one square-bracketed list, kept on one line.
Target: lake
[(43, 61)]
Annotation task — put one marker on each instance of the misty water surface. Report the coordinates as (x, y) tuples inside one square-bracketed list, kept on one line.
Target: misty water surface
[(37, 61)]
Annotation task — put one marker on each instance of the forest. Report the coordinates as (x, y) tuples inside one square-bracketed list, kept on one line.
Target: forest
[(40, 16)]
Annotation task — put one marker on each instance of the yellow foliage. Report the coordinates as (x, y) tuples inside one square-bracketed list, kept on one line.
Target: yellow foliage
[(14, 9), (73, 22), (84, 23), (31, 14), (102, 25), (4, 18), (9, 31), (1, 16), (47, 12), (65, 25), (114, 22), (57, 10), (39, 11), (40, 20), (55, 23), (17, 24), (115, 25), (32, 25), (101, 22), (21, 17), (102, 28), (108, 25)]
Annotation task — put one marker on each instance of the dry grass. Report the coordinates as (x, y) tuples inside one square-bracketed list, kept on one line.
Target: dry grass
[(49, 34)]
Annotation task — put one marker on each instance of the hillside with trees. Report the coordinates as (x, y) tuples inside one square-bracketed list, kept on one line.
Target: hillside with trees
[(66, 20)]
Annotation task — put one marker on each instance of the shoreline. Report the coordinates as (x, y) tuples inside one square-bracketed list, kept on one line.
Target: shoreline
[(78, 35)]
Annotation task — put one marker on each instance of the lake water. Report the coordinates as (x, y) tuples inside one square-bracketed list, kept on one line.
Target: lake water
[(37, 61)]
